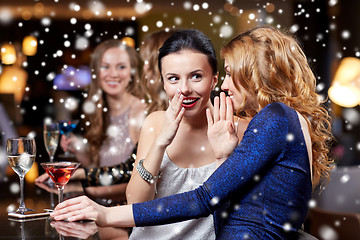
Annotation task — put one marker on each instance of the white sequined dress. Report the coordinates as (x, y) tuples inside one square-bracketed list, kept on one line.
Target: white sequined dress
[(118, 145), (177, 180)]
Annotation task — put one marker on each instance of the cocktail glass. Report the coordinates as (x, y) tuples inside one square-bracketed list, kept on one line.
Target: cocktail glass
[(60, 173), (21, 153)]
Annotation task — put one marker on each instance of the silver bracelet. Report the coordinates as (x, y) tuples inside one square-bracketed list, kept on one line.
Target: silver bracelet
[(145, 174)]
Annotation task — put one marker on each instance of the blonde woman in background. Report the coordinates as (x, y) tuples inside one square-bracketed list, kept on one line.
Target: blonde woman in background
[(112, 130), (115, 125)]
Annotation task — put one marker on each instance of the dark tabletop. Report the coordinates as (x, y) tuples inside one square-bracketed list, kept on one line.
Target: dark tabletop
[(37, 228)]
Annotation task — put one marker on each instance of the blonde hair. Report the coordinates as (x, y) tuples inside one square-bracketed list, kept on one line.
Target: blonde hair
[(99, 120), (149, 51), (271, 65)]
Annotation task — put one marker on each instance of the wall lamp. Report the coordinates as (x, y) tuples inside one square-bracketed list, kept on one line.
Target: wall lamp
[(345, 88)]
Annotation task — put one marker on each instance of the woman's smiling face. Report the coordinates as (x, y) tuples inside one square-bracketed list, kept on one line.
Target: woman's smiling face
[(115, 71), (236, 96), (190, 72)]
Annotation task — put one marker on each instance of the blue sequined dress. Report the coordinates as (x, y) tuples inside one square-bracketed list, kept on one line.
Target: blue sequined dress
[(266, 180)]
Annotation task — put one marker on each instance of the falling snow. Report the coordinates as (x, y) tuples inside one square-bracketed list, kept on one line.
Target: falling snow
[(82, 35)]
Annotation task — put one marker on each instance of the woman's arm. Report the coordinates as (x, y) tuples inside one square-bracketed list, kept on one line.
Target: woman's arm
[(82, 208), (138, 190), (263, 141), (157, 133)]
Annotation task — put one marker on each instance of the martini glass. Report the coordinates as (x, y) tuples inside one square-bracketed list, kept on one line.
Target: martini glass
[(21, 155), (66, 127), (60, 173)]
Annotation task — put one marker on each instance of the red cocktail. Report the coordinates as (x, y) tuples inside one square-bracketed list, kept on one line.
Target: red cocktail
[(60, 173)]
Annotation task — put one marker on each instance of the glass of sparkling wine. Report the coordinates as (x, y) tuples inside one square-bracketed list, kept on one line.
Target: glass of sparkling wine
[(51, 137), (21, 154), (60, 173)]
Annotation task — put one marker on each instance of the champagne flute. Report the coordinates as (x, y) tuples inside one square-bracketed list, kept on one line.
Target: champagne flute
[(60, 173), (21, 154), (51, 137), (66, 127)]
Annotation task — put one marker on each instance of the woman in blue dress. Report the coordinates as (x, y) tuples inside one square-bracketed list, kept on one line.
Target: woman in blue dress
[(266, 181)]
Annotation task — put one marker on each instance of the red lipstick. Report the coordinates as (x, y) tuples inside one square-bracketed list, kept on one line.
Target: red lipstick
[(189, 102)]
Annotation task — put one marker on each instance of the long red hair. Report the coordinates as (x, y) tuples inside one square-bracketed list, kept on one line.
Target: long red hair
[(271, 65)]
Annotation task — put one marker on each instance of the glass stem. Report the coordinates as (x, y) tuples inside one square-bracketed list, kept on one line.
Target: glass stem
[(22, 203), (22, 227), (61, 194), (51, 158), (52, 200)]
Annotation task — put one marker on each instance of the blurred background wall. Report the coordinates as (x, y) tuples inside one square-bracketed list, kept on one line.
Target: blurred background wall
[(67, 31)]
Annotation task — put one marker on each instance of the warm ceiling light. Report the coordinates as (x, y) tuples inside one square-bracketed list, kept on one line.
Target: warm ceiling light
[(348, 70), (270, 7), (29, 45), (228, 7), (344, 96), (26, 15), (128, 41), (13, 80), (345, 89), (8, 54)]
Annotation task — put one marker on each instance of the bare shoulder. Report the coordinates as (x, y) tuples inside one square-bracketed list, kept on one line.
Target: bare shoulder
[(153, 122), (155, 118)]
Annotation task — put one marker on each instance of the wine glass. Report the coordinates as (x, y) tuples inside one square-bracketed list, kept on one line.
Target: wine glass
[(51, 137), (66, 127), (21, 154), (60, 173)]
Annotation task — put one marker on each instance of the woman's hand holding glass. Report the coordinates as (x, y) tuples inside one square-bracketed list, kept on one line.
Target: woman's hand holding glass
[(66, 128), (80, 208), (42, 178), (66, 143), (221, 129), (173, 116)]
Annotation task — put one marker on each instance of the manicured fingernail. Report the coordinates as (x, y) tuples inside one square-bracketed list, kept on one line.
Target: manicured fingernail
[(178, 90)]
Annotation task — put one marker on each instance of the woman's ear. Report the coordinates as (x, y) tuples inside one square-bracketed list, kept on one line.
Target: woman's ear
[(215, 81)]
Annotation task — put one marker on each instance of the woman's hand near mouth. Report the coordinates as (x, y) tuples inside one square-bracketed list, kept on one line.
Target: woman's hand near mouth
[(173, 116)]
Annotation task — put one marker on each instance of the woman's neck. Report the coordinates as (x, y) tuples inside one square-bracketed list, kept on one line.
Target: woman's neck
[(118, 104)]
